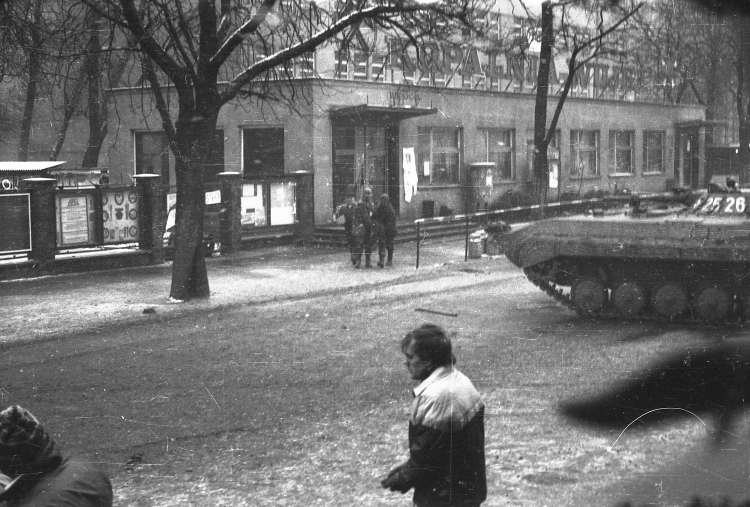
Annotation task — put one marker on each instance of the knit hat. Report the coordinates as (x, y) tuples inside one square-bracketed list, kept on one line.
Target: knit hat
[(25, 446)]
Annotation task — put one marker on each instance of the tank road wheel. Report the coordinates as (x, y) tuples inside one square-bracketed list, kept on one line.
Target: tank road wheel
[(588, 295), (669, 300), (712, 303), (629, 299)]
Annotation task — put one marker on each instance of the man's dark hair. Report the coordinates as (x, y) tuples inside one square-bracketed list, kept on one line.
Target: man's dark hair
[(430, 344)]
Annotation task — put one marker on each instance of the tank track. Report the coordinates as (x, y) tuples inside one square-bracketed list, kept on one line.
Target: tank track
[(537, 278)]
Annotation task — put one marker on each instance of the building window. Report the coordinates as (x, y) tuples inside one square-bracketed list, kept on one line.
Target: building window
[(621, 150), (304, 66), (553, 155), (341, 63), (500, 148), (359, 64), (584, 153), (262, 151), (439, 155), (653, 152), (152, 154)]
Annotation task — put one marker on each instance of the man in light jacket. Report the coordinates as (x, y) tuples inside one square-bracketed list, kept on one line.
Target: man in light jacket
[(446, 466)]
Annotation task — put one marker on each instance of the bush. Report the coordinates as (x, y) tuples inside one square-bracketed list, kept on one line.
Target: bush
[(512, 199)]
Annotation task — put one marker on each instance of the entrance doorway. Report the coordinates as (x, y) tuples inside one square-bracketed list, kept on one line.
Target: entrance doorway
[(360, 159), (691, 160)]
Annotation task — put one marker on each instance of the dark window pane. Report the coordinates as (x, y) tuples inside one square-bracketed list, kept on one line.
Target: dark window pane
[(263, 151), (152, 154)]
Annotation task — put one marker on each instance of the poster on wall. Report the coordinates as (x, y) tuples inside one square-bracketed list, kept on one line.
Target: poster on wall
[(283, 204), (75, 220), (120, 211), (554, 175), (409, 164), (253, 212)]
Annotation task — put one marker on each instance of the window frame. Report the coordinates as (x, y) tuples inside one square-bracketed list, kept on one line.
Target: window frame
[(163, 156), (615, 149), (433, 154), (511, 149), (575, 151), (246, 169), (663, 164)]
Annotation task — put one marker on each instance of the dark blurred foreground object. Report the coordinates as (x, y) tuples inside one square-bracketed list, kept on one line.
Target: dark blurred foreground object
[(713, 382), (40, 476), (708, 383)]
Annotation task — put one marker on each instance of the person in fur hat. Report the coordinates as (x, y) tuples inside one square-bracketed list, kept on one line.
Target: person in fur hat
[(38, 473)]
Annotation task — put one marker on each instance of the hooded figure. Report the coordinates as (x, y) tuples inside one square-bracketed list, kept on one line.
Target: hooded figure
[(39, 475), (384, 229)]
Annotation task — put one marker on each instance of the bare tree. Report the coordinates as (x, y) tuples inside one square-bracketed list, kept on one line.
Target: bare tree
[(193, 46), (583, 46), (33, 37)]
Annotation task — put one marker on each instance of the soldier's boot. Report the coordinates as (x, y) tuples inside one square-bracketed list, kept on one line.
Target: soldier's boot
[(358, 261), (367, 261), (353, 258), (380, 259), (389, 262)]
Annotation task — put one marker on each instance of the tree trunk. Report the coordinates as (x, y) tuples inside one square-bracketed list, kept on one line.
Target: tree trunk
[(96, 111), (192, 148), (33, 69), (71, 103), (743, 99), (541, 138)]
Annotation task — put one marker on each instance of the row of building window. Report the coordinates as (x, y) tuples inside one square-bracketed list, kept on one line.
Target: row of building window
[(262, 148), (439, 153)]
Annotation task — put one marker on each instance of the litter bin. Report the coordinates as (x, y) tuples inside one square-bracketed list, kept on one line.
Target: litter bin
[(477, 244)]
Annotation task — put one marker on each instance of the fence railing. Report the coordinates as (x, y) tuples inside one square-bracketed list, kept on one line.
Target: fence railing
[(40, 220), (510, 215)]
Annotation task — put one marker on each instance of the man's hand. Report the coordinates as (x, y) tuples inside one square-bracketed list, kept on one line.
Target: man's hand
[(394, 482)]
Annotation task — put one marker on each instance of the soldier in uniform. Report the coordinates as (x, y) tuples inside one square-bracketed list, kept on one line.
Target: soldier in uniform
[(357, 226)]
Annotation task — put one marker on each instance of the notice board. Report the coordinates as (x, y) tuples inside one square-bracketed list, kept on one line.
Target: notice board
[(75, 219), (15, 223), (120, 211)]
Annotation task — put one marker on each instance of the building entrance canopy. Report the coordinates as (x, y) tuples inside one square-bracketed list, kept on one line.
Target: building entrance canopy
[(377, 115)]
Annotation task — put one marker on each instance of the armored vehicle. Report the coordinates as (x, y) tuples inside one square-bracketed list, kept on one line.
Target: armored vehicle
[(676, 257)]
